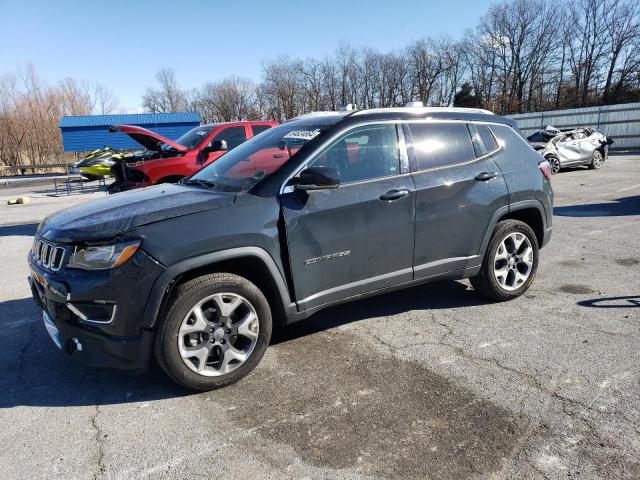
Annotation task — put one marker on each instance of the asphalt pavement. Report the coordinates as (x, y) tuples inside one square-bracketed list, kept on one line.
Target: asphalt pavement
[(429, 382)]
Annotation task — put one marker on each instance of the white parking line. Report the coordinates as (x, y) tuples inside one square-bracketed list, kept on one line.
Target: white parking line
[(628, 188), (615, 192)]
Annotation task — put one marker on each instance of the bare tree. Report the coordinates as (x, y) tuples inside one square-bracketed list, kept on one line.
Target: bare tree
[(104, 100), (232, 99), (281, 89), (169, 97), (588, 49), (622, 28)]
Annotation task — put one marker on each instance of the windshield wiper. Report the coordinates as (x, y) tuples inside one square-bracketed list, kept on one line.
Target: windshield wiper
[(198, 181)]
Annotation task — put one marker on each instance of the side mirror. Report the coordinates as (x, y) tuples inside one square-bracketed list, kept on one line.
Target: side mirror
[(318, 178)]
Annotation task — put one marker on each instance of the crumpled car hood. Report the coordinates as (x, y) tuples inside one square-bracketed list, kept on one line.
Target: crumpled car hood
[(106, 218)]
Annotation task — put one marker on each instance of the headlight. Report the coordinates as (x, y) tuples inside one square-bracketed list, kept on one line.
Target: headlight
[(102, 257)]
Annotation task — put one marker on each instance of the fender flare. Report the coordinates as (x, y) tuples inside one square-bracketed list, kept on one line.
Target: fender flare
[(164, 283), (500, 212)]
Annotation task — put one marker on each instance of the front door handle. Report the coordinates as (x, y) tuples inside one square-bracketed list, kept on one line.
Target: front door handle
[(394, 194), (484, 176), (278, 155)]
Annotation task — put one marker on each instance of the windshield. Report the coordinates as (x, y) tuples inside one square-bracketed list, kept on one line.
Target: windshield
[(194, 137), (245, 165)]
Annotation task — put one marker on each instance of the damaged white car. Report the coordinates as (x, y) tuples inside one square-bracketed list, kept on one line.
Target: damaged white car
[(573, 147)]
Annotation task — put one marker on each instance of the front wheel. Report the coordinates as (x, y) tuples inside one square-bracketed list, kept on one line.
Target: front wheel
[(596, 161), (216, 330), (510, 262), (555, 164)]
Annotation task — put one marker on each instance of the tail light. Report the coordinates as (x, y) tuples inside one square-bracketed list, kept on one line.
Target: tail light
[(545, 168)]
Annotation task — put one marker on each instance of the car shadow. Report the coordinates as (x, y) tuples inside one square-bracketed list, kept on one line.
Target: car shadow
[(431, 296), (35, 373), (629, 301), (18, 230), (620, 207)]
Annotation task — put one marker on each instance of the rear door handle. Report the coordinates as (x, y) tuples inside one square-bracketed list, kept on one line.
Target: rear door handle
[(484, 176), (394, 194), (278, 155)]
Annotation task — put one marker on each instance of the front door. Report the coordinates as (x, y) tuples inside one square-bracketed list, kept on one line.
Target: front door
[(233, 135), (357, 237), (569, 150)]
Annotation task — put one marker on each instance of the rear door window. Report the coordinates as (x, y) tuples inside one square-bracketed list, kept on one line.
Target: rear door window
[(259, 128), (478, 146), (433, 145)]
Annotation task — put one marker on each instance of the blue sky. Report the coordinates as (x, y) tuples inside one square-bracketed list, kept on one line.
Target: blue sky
[(121, 44)]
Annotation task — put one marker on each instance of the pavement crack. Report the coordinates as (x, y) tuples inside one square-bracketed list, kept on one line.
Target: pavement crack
[(99, 439), (536, 469), (590, 408)]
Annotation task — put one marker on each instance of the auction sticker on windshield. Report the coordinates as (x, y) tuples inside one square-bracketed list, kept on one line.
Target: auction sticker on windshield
[(302, 134)]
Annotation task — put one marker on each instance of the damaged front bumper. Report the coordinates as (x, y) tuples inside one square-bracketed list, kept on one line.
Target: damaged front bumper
[(92, 316), (128, 178)]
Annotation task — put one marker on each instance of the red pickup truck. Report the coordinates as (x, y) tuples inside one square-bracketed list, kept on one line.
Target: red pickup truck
[(167, 161)]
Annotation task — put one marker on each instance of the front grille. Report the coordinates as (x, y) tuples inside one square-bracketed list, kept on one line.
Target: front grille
[(48, 254)]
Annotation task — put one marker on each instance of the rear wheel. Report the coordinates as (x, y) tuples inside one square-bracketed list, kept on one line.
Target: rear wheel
[(596, 161), (510, 262), (216, 330)]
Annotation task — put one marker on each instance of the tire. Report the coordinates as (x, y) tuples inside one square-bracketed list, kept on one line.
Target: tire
[(555, 164), (115, 187), (224, 336), (488, 281), (596, 161)]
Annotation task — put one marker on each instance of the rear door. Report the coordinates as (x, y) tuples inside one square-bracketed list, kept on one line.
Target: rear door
[(458, 188), (357, 237)]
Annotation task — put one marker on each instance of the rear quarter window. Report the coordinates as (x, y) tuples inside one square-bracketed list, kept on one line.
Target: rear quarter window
[(488, 140), (515, 152), (434, 145)]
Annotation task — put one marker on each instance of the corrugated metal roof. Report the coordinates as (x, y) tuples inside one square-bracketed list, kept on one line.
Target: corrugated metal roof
[(89, 138), (141, 119)]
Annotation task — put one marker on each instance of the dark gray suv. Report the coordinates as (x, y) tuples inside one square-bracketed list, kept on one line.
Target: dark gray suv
[(326, 208)]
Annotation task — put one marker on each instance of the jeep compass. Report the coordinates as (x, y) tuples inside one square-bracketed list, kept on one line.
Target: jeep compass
[(323, 209)]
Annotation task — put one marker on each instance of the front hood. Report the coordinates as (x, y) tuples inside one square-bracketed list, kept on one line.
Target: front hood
[(148, 139), (108, 217)]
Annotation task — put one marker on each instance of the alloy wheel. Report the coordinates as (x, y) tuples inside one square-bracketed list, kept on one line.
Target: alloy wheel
[(513, 261), (218, 334), (555, 164), (597, 159)]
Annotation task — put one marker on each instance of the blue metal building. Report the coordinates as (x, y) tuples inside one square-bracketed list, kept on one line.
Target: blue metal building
[(90, 132)]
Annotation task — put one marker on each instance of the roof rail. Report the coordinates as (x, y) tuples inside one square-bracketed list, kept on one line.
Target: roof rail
[(425, 110)]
